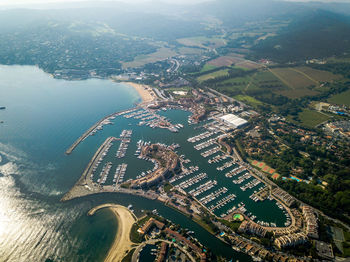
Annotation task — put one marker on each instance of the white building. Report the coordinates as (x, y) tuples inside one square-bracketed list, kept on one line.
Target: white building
[(233, 120)]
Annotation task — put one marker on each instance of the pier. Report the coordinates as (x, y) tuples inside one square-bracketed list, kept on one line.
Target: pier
[(95, 126)]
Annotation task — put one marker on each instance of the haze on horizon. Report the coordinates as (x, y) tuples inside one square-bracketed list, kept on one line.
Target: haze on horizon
[(34, 2)]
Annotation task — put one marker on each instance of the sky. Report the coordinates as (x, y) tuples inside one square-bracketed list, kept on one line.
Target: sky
[(29, 2)]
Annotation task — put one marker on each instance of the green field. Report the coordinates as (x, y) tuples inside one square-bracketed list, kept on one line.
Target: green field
[(202, 42), (311, 119), (341, 99), (248, 99), (302, 81), (207, 67), (190, 51), (161, 54), (255, 81), (215, 74)]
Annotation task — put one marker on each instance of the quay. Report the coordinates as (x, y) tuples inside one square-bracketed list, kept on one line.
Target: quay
[(92, 128)]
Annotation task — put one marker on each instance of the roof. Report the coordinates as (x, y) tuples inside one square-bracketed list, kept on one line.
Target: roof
[(234, 120)]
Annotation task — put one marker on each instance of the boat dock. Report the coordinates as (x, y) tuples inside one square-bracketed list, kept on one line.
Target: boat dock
[(98, 125), (191, 181), (226, 165), (210, 152), (235, 171), (221, 203), (242, 178), (250, 184), (203, 188), (119, 174), (125, 140), (212, 196), (104, 173)]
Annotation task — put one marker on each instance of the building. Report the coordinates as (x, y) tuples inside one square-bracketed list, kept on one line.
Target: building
[(283, 196), (252, 228), (291, 240), (311, 222), (162, 252), (233, 120), (149, 224)]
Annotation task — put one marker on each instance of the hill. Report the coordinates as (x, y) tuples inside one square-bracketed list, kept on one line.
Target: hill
[(321, 34)]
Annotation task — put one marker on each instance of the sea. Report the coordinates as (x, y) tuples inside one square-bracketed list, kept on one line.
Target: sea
[(43, 117)]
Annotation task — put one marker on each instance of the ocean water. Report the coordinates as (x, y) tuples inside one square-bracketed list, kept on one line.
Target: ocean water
[(43, 117)]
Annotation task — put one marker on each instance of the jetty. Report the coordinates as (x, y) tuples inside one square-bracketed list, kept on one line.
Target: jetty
[(95, 126)]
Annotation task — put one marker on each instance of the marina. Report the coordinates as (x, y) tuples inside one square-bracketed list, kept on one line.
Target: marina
[(212, 196), (210, 152), (203, 188), (190, 182), (221, 203), (125, 137), (241, 179)]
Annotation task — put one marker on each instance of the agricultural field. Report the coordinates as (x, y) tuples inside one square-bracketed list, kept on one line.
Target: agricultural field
[(202, 42), (225, 61), (141, 60), (341, 99), (189, 51), (236, 83), (207, 67), (246, 64), (311, 119), (249, 100), (293, 78), (318, 75), (223, 72), (302, 81)]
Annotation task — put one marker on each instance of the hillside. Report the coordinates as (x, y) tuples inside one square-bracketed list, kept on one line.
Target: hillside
[(321, 34)]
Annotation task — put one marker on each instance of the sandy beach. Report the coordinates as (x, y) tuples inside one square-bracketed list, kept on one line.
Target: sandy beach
[(144, 91), (122, 243)]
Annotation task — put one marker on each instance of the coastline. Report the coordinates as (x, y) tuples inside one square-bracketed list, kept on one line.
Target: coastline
[(146, 93), (122, 243)]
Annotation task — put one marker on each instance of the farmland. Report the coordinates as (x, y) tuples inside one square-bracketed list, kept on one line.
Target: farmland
[(161, 54), (341, 99), (207, 67), (311, 119), (302, 81), (248, 99), (225, 61), (215, 74), (202, 42)]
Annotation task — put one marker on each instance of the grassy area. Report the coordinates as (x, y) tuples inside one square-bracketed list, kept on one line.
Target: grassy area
[(215, 74), (207, 67), (318, 75), (202, 42), (204, 225), (341, 99), (161, 54), (248, 99), (302, 80), (310, 118), (134, 235), (167, 187), (190, 51)]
